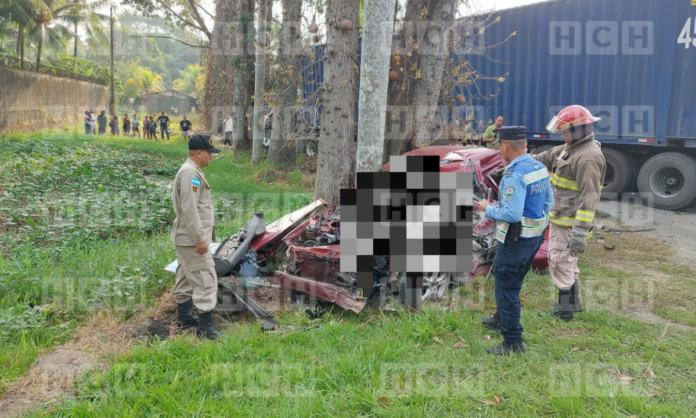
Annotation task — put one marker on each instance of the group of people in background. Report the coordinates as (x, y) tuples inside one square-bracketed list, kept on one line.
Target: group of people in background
[(132, 126)]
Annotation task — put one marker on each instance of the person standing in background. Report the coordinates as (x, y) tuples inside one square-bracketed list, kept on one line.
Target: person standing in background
[(136, 126), (126, 125), (114, 124), (102, 120), (163, 121), (88, 123), (93, 122), (185, 128), (227, 127), (153, 128)]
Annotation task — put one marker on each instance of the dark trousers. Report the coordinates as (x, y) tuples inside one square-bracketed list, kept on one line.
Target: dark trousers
[(512, 262)]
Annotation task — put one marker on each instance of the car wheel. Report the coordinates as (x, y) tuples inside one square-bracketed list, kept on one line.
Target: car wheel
[(311, 148)]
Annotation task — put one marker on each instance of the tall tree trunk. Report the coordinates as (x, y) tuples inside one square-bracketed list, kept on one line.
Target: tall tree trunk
[(281, 151), (75, 48), (336, 159), (399, 126), (431, 65), (260, 83), (374, 82), (38, 51), (219, 81), (20, 32), (243, 68)]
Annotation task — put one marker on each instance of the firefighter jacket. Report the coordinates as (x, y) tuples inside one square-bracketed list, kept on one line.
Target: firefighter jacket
[(577, 175)]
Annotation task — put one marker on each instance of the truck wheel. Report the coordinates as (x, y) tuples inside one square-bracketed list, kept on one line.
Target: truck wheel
[(620, 175), (671, 179)]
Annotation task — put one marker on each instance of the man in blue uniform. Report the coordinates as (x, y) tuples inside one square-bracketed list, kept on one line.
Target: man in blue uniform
[(525, 198)]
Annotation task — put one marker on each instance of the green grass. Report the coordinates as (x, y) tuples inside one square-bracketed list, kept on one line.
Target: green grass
[(372, 364), (65, 271)]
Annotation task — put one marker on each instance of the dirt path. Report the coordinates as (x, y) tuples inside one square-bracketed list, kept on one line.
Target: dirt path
[(676, 230)]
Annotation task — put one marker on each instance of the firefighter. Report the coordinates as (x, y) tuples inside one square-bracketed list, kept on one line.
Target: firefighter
[(577, 174), (525, 198), (192, 232)]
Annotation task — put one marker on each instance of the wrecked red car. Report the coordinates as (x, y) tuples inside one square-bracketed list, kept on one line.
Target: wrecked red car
[(304, 246), (311, 249)]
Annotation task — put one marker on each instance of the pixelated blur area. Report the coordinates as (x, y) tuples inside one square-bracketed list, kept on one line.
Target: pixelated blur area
[(414, 214)]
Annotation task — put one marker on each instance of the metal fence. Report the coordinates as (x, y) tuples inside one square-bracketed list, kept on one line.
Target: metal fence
[(11, 62)]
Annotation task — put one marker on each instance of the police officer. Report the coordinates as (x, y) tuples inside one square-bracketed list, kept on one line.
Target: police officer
[(525, 198), (192, 232)]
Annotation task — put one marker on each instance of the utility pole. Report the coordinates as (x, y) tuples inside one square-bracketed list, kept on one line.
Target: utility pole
[(112, 103)]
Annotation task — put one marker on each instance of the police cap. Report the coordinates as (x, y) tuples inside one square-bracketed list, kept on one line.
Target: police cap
[(512, 133), (202, 143)]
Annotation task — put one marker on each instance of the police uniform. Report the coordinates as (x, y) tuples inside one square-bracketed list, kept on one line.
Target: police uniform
[(196, 280), (525, 198)]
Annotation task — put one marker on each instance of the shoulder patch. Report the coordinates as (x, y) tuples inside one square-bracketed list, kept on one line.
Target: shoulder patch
[(196, 182), (509, 192)]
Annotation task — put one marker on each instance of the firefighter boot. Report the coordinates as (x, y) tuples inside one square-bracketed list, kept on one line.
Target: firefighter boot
[(186, 318), (575, 300), (563, 309), (575, 304)]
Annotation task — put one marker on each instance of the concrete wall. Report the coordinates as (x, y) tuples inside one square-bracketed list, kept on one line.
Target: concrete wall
[(32, 101)]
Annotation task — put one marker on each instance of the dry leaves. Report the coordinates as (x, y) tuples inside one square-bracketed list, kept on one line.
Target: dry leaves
[(341, 339), (624, 379), (383, 401), (576, 349), (460, 345), (489, 402), (438, 340), (417, 345)]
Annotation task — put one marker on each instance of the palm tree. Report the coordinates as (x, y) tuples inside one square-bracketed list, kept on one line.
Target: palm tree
[(192, 81), (146, 81), (84, 15), (22, 14), (52, 21)]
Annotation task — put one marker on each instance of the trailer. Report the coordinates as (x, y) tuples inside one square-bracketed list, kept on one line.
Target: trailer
[(630, 62)]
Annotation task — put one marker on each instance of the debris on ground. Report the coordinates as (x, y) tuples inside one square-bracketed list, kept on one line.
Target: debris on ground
[(153, 328)]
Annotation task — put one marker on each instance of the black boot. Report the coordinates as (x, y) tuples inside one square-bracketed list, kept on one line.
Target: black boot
[(563, 309), (575, 304), (575, 300), (206, 327), (186, 318), (505, 349), (492, 322)]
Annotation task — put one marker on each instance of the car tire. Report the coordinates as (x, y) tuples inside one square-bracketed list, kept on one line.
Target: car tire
[(670, 179), (621, 173), (312, 148)]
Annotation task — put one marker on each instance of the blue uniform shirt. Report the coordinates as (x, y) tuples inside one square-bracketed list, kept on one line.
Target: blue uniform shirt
[(512, 193)]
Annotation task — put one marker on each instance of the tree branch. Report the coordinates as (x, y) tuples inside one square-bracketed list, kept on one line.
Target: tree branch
[(186, 21), (204, 11), (169, 37), (199, 20)]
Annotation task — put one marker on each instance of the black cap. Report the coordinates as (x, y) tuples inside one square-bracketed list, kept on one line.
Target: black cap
[(202, 143), (512, 133)]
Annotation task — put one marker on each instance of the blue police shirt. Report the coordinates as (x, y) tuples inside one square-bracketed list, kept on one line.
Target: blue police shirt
[(512, 193)]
